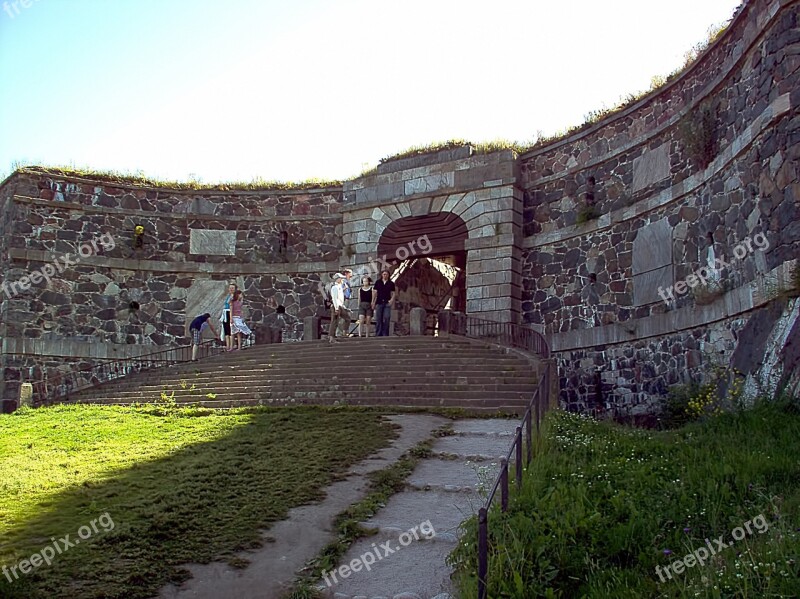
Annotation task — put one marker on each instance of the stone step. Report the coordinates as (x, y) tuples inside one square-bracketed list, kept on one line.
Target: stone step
[(247, 357), (387, 342), (374, 370), (431, 361), (280, 379), (482, 405), (397, 372), (432, 397), (349, 390), (349, 347)]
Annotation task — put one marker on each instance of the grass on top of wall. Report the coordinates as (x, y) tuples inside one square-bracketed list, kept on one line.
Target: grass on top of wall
[(179, 486), (590, 119), (603, 505), (486, 147), (138, 179)]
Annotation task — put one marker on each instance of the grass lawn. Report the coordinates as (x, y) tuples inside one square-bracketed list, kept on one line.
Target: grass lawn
[(179, 487), (603, 506)]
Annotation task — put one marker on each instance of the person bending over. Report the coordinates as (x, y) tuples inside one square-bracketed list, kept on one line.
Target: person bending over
[(200, 324)]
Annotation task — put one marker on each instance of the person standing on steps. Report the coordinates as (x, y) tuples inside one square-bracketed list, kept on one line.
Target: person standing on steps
[(366, 297), (200, 324), (337, 305), (346, 317), (382, 302), (238, 327), (226, 319)]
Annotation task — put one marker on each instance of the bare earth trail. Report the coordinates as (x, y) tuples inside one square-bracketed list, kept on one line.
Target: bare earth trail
[(441, 490)]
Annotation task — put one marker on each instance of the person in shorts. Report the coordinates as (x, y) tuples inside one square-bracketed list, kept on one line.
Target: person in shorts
[(344, 313), (225, 319), (238, 326), (366, 297), (197, 327), (337, 305)]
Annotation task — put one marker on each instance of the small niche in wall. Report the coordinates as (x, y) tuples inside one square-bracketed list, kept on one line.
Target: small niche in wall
[(587, 210), (590, 183)]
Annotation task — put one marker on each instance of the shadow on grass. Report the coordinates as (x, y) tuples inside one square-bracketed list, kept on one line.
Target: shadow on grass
[(203, 502)]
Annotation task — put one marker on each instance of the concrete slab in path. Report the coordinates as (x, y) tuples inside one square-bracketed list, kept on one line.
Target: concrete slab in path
[(298, 539), (442, 494), (453, 475)]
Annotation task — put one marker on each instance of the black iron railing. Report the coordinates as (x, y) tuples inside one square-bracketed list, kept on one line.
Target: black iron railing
[(508, 334), (537, 407), (67, 382)]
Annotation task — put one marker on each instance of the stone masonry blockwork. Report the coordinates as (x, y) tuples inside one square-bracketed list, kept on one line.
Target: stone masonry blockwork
[(577, 238)]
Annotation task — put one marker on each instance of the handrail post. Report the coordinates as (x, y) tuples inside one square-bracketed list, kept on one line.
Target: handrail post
[(483, 550), (519, 457), (538, 402), (504, 485), (529, 434)]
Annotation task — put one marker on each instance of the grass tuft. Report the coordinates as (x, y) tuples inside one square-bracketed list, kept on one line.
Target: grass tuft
[(437, 146), (139, 179)]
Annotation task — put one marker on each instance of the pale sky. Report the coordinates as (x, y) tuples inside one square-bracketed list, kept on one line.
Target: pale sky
[(237, 89)]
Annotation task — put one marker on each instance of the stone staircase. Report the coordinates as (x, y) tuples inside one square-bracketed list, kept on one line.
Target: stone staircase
[(383, 371)]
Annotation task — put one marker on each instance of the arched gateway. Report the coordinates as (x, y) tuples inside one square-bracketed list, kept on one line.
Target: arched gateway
[(429, 261), (465, 209)]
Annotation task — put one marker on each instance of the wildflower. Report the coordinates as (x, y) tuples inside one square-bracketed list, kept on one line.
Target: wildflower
[(667, 552)]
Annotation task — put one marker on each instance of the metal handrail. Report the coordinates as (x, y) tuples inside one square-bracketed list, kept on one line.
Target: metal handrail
[(503, 333), (50, 389), (510, 335), (537, 405)]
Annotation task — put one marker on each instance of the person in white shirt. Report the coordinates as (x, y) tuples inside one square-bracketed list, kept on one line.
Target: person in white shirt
[(337, 305), (346, 316)]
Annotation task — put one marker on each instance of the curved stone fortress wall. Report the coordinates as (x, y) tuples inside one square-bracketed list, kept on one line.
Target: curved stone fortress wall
[(574, 238), (119, 300), (709, 161)]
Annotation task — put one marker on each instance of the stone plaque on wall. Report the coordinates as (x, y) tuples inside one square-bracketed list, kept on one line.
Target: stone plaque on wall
[(652, 262), (212, 243), (651, 167)]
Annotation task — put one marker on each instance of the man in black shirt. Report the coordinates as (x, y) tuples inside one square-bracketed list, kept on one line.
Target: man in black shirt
[(382, 304)]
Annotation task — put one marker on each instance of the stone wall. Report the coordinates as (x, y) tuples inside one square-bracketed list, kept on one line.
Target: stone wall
[(657, 208), (6, 227), (626, 369), (108, 298), (595, 239)]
